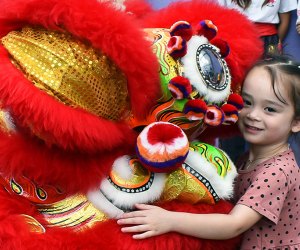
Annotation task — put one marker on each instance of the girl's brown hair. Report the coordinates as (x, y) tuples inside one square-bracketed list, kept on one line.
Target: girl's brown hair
[(287, 72), (282, 69)]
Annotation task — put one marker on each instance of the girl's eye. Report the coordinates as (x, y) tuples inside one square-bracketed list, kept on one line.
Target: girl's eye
[(247, 102), (269, 109)]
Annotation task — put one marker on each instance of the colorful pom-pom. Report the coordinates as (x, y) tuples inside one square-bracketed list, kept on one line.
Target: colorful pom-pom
[(222, 45), (162, 147), (206, 28), (214, 116), (231, 114), (236, 100), (183, 29), (180, 87), (176, 47), (195, 109)]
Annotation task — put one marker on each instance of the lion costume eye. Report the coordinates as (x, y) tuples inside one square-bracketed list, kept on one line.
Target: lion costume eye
[(206, 70), (211, 67)]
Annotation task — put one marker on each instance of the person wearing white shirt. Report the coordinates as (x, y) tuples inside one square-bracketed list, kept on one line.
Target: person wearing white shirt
[(271, 17)]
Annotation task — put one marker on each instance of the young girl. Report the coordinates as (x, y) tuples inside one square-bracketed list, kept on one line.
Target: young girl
[(267, 189), (271, 18)]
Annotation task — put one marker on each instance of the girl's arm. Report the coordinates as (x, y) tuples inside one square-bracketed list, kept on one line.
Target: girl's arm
[(283, 25), (151, 220)]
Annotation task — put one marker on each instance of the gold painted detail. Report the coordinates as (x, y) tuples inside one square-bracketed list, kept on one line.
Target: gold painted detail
[(69, 70), (184, 186), (140, 176), (33, 224), (175, 183), (31, 191), (74, 212), (169, 67)]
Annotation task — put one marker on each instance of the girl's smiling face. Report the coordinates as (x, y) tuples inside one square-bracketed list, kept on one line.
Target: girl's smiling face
[(265, 119)]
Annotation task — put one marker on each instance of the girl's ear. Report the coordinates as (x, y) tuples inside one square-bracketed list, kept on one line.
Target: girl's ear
[(296, 125)]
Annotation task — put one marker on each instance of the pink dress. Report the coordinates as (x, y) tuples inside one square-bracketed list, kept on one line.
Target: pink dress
[(273, 190)]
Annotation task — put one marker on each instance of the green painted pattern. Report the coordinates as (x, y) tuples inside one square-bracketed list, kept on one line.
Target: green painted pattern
[(213, 155)]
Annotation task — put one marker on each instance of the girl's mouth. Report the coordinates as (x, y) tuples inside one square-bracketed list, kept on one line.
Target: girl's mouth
[(252, 128)]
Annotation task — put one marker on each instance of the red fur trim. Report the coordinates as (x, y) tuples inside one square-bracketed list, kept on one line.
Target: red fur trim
[(222, 45), (73, 172), (106, 235), (56, 123), (238, 31), (115, 34)]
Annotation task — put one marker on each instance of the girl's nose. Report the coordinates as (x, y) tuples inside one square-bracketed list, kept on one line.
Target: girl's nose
[(253, 115)]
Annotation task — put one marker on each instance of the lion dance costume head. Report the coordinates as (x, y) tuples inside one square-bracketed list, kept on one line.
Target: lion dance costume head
[(103, 105)]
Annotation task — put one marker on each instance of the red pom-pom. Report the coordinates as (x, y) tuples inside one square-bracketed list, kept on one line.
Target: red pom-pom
[(180, 87), (236, 100), (195, 109), (183, 29), (164, 133), (207, 29), (231, 114), (214, 116), (176, 47), (222, 45), (162, 147)]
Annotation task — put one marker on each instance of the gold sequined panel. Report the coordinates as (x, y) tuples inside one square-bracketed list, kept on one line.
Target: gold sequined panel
[(69, 70)]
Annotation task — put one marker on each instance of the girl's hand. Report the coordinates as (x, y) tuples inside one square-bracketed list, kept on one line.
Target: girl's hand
[(148, 221)]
